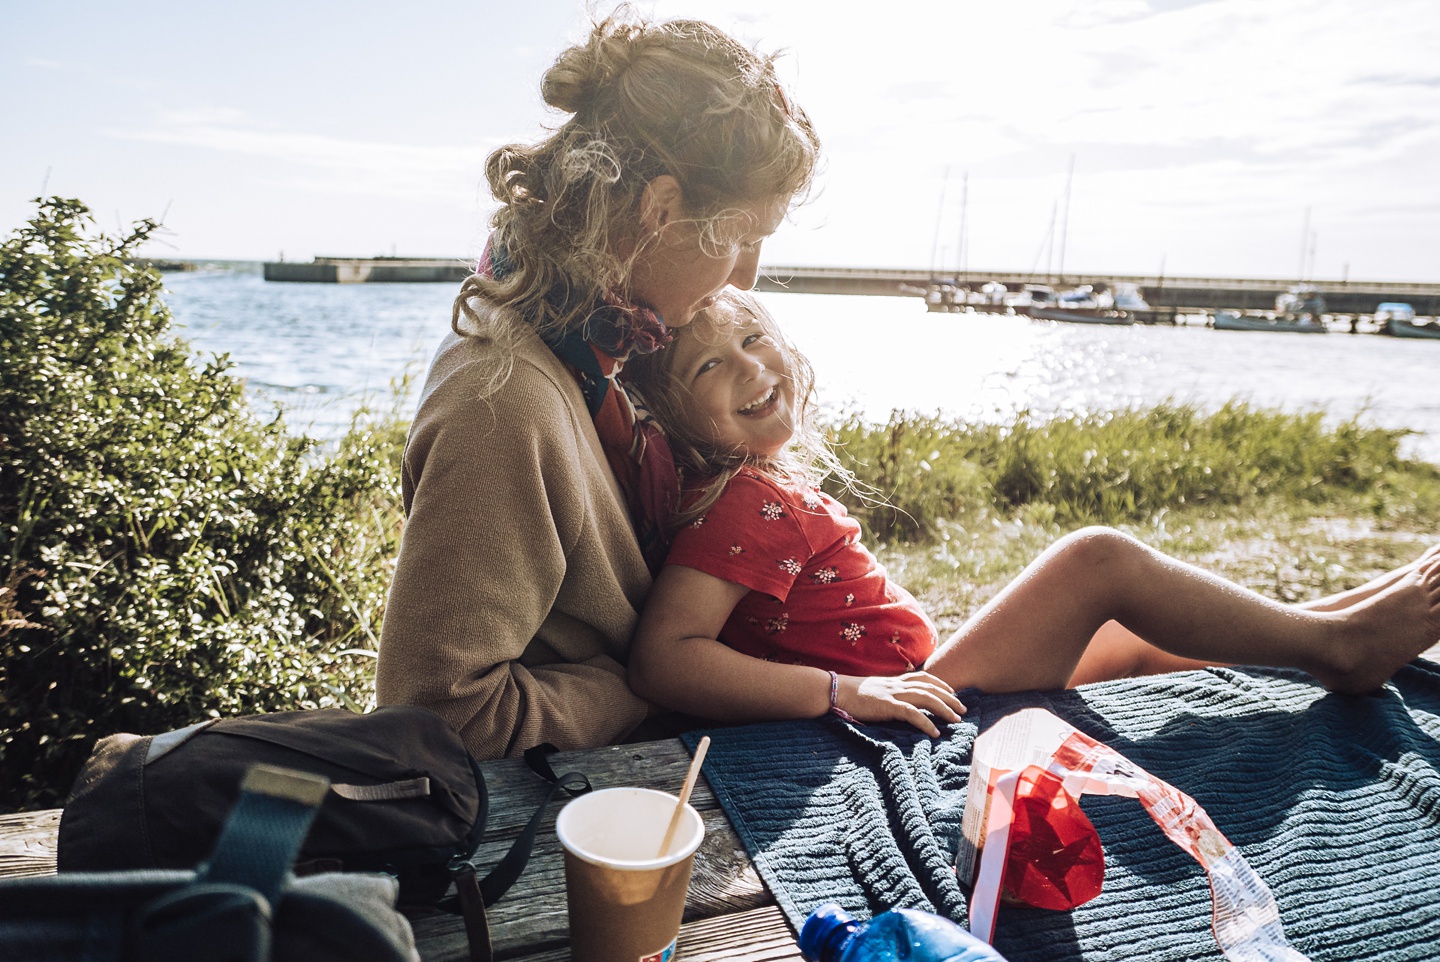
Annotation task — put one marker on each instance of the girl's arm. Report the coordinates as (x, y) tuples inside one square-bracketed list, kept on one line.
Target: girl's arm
[(677, 662)]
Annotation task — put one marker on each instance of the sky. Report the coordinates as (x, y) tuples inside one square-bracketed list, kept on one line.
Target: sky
[(1237, 138)]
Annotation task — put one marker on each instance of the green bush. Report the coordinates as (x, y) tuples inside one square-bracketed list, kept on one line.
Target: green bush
[(165, 556)]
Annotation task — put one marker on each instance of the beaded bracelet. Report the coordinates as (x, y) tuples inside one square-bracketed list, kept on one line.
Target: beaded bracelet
[(834, 708)]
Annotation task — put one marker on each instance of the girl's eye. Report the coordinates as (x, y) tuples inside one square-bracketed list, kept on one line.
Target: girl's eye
[(705, 366), (751, 339)]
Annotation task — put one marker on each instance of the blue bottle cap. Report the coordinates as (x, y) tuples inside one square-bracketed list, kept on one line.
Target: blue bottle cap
[(825, 933)]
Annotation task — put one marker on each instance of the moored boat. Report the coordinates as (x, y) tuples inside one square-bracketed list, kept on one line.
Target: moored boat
[(1397, 310), (1300, 301), (1086, 304), (1398, 328), (1235, 321), (1081, 315)]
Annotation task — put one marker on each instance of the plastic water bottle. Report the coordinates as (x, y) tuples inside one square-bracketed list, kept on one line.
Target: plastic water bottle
[(830, 934)]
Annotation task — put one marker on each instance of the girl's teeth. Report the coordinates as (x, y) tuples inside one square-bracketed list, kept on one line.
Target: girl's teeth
[(758, 402)]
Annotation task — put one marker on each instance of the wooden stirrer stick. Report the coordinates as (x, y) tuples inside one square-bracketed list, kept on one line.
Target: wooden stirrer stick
[(690, 777)]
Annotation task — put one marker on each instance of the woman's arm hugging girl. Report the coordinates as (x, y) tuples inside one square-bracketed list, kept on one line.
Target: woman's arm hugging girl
[(534, 492)]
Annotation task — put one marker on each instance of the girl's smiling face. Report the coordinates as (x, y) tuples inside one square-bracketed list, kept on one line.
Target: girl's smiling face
[(738, 388)]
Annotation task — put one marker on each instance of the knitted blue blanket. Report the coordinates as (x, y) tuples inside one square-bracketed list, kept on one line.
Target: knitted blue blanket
[(1334, 800)]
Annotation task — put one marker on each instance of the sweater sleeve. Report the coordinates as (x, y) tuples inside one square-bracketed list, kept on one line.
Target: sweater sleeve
[(508, 614)]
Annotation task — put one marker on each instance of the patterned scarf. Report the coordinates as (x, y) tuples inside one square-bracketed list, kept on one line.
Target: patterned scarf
[(635, 447)]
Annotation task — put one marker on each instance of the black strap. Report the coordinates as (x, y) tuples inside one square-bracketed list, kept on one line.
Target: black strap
[(472, 909), (471, 896)]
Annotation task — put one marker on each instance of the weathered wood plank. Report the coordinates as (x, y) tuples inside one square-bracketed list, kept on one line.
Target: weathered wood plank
[(760, 935), (27, 843), (515, 790)]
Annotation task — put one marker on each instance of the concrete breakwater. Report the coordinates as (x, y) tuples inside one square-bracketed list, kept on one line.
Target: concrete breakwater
[(369, 270)]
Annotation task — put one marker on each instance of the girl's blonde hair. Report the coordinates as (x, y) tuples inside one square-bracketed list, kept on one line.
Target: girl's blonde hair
[(703, 464), (679, 97)]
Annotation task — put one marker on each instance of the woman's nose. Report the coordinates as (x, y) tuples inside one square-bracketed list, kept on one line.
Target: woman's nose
[(746, 270)]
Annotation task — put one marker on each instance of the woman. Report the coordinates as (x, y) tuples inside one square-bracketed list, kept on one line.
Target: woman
[(533, 491)]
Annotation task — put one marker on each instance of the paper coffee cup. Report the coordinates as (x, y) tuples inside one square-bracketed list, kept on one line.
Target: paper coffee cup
[(625, 899)]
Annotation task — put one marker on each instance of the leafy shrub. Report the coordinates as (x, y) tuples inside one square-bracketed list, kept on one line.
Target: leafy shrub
[(165, 556)]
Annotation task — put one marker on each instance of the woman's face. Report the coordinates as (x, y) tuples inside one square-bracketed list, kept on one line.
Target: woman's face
[(676, 275)]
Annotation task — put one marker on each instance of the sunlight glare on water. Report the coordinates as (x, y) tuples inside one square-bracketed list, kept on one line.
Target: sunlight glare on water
[(321, 350), (874, 354)]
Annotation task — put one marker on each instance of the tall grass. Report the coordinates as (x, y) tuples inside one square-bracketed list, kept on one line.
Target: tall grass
[(1105, 468)]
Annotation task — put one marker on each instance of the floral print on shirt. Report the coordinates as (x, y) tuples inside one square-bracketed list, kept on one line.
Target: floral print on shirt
[(817, 596)]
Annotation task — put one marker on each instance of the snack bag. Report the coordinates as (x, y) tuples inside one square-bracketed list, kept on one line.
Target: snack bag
[(1024, 833)]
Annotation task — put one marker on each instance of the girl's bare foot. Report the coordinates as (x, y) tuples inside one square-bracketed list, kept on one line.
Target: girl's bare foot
[(1383, 633)]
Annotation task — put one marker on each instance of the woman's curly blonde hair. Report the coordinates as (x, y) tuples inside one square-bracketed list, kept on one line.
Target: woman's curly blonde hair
[(705, 466), (679, 97)]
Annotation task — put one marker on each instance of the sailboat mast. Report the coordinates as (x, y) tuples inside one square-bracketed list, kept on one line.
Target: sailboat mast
[(1304, 245), (939, 219), (964, 211), (1065, 222)]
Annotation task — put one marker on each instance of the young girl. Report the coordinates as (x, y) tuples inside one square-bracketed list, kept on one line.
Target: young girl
[(769, 607)]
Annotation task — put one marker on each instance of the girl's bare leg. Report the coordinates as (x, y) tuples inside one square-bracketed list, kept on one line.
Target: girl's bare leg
[(1034, 633), (1117, 652)]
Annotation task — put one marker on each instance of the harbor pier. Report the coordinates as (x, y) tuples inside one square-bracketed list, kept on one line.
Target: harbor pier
[(1165, 295), (369, 270)]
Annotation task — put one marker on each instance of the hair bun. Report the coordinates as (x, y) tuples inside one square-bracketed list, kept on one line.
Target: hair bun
[(580, 73)]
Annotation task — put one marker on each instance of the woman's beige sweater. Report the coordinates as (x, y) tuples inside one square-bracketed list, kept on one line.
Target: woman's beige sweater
[(519, 579)]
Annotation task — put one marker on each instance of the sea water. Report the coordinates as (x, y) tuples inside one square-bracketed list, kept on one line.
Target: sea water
[(323, 351)]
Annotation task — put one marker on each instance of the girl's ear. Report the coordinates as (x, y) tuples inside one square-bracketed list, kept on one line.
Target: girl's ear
[(661, 203)]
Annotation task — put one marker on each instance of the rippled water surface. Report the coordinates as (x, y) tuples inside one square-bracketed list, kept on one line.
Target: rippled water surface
[(321, 350)]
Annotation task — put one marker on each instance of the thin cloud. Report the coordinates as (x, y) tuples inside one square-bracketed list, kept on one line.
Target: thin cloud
[(1102, 13), (318, 162), (1400, 80)]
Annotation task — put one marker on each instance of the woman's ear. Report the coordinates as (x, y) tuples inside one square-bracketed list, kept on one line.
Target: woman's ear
[(661, 203)]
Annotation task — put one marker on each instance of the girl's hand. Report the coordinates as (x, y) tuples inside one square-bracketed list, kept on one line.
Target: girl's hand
[(905, 698)]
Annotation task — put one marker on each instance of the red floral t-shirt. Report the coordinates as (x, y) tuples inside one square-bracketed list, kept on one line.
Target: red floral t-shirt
[(817, 596)]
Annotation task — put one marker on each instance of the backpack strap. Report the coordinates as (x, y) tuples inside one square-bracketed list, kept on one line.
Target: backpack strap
[(232, 900), (265, 829), (473, 894)]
